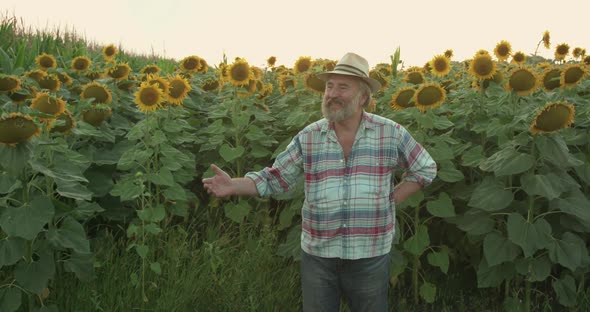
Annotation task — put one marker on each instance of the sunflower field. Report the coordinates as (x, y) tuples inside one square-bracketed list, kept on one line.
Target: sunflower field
[(102, 153)]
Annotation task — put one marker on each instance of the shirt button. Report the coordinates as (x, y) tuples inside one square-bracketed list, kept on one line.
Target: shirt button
[(344, 225), (341, 160), (345, 203)]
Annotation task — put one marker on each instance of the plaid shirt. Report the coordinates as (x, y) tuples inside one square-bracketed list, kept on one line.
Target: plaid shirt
[(348, 211)]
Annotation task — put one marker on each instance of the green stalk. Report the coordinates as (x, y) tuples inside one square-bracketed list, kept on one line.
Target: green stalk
[(416, 260)]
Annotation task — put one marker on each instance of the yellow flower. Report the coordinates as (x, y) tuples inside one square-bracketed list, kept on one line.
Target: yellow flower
[(577, 52), (482, 66), (109, 52), (449, 53), (403, 98), (414, 77), (429, 96), (9, 83), (315, 84), (149, 97), (64, 78), (99, 92), (17, 128), (150, 69), (191, 63), (119, 71), (96, 115), (302, 64), (554, 116), (159, 82), (81, 63), (561, 51), (68, 120), (36, 75), (210, 84), (587, 60), (50, 82), (485, 83), (46, 61), (48, 104), (285, 82), (271, 61), (179, 89), (547, 39), (503, 50), (203, 66), (441, 65), (572, 75), (518, 58), (265, 92), (523, 81), (551, 78), (239, 73)]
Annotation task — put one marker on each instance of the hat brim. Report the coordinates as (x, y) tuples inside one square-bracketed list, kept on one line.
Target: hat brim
[(374, 84)]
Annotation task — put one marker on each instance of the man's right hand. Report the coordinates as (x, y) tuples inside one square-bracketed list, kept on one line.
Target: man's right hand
[(219, 185)]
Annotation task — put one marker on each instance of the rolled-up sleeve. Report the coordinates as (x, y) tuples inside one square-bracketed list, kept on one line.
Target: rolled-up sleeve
[(415, 160), (284, 173)]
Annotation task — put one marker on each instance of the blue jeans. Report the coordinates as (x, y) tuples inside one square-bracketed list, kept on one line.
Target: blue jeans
[(364, 283)]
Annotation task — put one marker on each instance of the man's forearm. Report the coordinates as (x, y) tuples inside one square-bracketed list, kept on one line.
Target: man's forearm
[(244, 186), (404, 190)]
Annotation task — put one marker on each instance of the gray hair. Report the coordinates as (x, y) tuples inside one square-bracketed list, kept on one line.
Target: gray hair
[(366, 89)]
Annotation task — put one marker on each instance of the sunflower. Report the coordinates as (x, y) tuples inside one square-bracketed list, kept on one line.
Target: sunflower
[(426, 68), (503, 50), (64, 78), (271, 61), (149, 97), (50, 82), (482, 52), (93, 74), (543, 65), (119, 71), (239, 73), (554, 116), (414, 77), (109, 52), (9, 83), (257, 72), (247, 90), (572, 75), (428, 96), (203, 66), (190, 63), (81, 63), (587, 60), (485, 83), (99, 92), (441, 65), (577, 52), (519, 58), (17, 128), (377, 75), (523, 81), (314, 83), (482, 66), (179, 89), (36, 75), (551, 78), (96, 116), (384, 69), (48, 104), (19, 97), (302, 64), (265, 92), (403, 98), (46, 61), (68, 120), (561, 51), (150, 69), (159, 82), (449, 53), (285, 82), (127, 85), (329, 65), (546, 39), (210, 84)]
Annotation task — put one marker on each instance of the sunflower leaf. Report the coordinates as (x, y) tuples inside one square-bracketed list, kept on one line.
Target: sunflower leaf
[(490, 195)]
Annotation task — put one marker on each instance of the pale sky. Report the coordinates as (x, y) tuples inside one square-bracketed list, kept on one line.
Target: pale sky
[(257, 29)]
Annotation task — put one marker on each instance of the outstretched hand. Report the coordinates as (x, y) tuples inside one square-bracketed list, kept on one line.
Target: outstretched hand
[(219, 185)]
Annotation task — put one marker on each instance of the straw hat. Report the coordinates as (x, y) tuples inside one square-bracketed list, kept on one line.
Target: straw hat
[(352, 64)]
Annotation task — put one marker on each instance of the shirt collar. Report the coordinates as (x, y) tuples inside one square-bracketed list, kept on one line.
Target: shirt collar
[(366, 123)]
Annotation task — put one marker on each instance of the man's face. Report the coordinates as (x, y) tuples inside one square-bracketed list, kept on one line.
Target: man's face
[(342, 98)]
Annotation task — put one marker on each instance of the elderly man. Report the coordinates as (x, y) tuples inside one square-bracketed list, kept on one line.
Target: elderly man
[(348, 160)]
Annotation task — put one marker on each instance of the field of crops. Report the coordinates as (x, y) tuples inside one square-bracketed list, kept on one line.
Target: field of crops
[(102, 154)]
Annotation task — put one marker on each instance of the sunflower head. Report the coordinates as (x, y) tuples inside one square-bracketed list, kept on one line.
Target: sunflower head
[(577, 52), (449, 53), (203, 66), (47, 104), (64, 78), (119, 71), (503, 50), (561, 51), (482, 52), (17, 128), (482, 66), (441, 65), (80, 63), (523, 81), (191, 63), (554, 116), (96, 115), (265, 92), (377, 75), (485, 83), (149, 97), (159, 82), (426, 68), (247, 90), (587, 60), (573, 74), (50, 82), (210, 84), (314, 83), (286, 81), (109, 52), (257, 72), (36, 75), (302, 64), (551, 78), (518, 58), (402, 98), (178, 89), (414, 77), (546, 39), (239, 73), (384, 69), (93, 74), (150, 69), (271, 61), (46, 61), (99, 92), (429, 96), (68, 121), (9, 83)]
